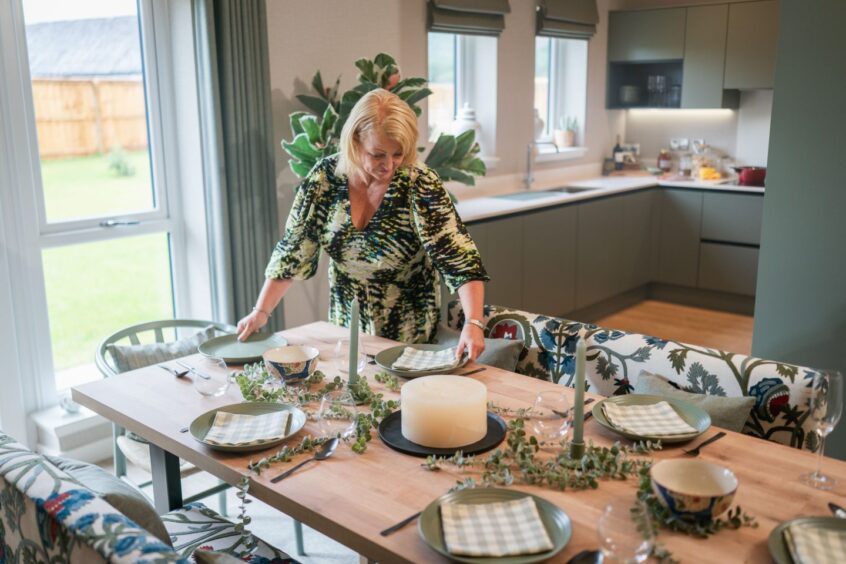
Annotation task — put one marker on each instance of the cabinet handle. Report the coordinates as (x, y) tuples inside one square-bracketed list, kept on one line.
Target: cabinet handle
[(118, 222)]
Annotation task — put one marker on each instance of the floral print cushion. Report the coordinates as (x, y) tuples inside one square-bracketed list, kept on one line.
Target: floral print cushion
[(46, 516), (615, 359), (196, 526)]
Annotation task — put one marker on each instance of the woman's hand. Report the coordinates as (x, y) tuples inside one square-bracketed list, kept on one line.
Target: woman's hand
[(251, 323), (472, 341)]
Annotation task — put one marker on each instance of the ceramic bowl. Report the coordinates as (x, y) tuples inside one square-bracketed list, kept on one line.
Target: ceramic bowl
[(693, 490), (291, 364)]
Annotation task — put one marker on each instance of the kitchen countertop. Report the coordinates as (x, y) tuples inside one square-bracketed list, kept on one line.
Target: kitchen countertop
[(475, 209)]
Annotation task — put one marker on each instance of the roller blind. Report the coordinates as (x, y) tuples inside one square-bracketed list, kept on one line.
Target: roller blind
[(468, 17), (567, 19)]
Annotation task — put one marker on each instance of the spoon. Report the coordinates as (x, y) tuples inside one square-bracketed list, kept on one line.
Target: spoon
[(323, 453), (837, 510), (193, 370)]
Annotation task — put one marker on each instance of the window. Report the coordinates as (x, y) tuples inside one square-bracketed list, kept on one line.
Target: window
[(561, 88), (462, 74)]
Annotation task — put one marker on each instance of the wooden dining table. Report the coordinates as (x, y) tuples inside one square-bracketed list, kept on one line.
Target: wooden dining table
[(352, 497)]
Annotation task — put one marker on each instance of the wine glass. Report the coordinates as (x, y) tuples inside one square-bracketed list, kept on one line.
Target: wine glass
[(825, 405), (625, 532), (337, 414), (211, 376), (341, 353), (551, 416)]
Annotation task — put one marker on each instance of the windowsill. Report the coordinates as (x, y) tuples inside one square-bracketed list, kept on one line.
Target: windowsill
[(490, 162), (548, 154)]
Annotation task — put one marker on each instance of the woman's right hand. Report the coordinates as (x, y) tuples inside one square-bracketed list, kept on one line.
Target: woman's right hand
[(251, 323)]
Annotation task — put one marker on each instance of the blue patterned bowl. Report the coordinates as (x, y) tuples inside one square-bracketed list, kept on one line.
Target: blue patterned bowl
[(291, 364), (693, 490)]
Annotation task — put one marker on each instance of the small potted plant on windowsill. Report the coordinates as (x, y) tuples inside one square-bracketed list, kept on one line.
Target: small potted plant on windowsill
[(566, 136)]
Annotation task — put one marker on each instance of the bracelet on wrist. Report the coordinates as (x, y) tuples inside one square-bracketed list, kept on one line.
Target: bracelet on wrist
[(477, 323), (266, 313)]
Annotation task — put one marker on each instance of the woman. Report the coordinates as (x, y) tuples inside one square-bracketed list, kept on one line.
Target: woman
[(389, 228)]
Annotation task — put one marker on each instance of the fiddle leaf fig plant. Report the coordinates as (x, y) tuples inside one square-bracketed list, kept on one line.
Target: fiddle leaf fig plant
[(317, 131)]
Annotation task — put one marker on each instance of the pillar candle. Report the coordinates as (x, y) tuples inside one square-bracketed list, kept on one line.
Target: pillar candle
[(444, 411), (353, 367), (579, 408)]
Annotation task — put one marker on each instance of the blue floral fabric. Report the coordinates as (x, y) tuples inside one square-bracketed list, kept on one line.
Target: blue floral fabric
[(616, 358)]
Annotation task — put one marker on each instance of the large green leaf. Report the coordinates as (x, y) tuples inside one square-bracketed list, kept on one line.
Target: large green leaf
[(312, 128), (300, 169), (316, 105), (449, 173), (301, 149), (463, 143), (365, 67), (295, 118), (412, 82), (330, 117), (416, 96), (475, 166), (383, 60), (441, 152), (317, 84)]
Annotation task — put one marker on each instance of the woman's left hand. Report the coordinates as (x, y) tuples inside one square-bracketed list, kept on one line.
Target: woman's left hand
[(472, 341)]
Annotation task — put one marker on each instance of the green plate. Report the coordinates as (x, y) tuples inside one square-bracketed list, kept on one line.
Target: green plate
[(233, 351), (778, 546), (201, 425), (557, 524), (695, 416), (388, 357)]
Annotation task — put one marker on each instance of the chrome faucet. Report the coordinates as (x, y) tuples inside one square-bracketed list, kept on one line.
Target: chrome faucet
[(530, 156)]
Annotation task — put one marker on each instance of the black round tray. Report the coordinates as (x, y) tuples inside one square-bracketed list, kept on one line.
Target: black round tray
[(390, 431)]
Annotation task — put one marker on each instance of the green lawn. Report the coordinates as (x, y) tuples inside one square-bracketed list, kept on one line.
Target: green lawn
[(94, 289)]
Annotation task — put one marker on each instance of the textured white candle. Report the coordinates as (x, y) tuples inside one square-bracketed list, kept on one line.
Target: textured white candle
[(444, 411)]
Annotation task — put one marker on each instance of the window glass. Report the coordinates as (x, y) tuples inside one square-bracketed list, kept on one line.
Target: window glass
[(542, 54), (561, 88), (442, 78)]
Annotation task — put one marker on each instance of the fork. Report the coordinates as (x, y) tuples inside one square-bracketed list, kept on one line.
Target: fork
[(695, 451), (193, 370)]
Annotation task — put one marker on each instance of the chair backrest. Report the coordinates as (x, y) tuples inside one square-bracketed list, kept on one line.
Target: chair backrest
[(160, 331), (616, 358), (51, 517)]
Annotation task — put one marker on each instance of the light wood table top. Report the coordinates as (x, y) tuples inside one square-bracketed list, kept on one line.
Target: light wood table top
[(352, 497)]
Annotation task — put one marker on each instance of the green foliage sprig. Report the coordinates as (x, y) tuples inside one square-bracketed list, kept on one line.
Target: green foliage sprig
[(248, 541)]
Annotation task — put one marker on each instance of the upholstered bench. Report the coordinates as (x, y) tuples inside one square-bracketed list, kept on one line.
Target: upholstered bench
[(48, 514), (615, 360)]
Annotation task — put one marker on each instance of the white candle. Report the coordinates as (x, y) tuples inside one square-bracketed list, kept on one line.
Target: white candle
[(353, 366), (579, 408), (444, 411)]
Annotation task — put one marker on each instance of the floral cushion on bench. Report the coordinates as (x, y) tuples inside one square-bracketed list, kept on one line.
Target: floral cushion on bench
[(615, 359)]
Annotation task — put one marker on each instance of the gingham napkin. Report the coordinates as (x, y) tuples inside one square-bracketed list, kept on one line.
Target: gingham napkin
[(231, 429), (414, 359), (505, 528), (815, 545), (655, 419)]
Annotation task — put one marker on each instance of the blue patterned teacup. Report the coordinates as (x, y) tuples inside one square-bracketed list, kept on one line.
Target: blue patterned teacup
[(291, 364), (693, 490)]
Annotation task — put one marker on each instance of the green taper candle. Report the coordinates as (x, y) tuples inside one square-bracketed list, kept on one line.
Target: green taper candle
[(353, 372), (577, 446)]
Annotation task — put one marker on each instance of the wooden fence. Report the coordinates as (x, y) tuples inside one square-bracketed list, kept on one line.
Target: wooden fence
[(84, 117)]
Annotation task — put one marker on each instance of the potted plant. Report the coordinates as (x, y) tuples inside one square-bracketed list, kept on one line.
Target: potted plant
[(566, 135), (318, 131)]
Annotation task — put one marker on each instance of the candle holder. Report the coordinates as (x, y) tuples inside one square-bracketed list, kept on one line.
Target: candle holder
[(577, 450)]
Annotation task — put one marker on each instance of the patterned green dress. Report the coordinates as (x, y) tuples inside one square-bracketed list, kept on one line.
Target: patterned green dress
[(394, 265)]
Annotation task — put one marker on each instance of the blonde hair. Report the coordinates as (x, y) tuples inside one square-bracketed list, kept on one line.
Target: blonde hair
[(382, 112)]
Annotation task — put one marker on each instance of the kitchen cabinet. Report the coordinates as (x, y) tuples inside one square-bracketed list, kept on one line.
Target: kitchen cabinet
[(751, 45), (500, 243), (549, 260), (646, 35), (732, 218), (728, 268), (704, 59), (678, 245)]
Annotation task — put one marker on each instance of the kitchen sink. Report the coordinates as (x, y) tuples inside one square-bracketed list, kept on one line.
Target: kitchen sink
[(538, 194)]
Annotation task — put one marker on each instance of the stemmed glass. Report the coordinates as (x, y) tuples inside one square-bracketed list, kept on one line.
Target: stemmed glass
[(211, 376), (551, 416), (625, 532), (341, 352), (337, 414), (825, 405)]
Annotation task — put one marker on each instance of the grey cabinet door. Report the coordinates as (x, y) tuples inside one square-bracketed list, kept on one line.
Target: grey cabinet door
[(704, 59), (646, 35), (501, 244), (681, 217), (728, 268), (635, 267), (751, 45), (549, 261), (601, 251), (732, 218)]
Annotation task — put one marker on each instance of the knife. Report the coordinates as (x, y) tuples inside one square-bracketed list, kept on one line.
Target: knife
[(837, 510)]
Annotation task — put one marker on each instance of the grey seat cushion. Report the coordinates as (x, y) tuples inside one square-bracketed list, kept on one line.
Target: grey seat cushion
[(117, 493), (132, 357), (726, 412), (501, 353)]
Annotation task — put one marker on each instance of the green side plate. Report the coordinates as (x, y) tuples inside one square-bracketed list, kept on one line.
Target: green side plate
[(695, 416), (388, 357), (778, 546), (201, 425), (557, 524), (233, 351)]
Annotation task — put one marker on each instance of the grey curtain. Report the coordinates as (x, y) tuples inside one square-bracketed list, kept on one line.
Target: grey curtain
[(567, 19), (468, 17), (234, 78)]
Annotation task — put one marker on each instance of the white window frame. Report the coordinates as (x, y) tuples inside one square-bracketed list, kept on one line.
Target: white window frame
[(28, 380)]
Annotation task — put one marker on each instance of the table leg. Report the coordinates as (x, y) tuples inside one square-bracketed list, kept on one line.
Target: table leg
[(167, 483)]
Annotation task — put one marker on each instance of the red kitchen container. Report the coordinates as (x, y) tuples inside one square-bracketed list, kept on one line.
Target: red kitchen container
[(751, 175)]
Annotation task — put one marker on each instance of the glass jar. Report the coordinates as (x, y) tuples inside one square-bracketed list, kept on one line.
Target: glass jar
[(665, 160)]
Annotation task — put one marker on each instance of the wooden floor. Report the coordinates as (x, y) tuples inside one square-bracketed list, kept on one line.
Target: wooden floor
[(697, 326)]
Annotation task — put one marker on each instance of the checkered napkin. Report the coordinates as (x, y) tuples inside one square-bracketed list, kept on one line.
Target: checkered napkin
[(230, 429), (655, 419), (413, 359), (815, 545), (506, 528)]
